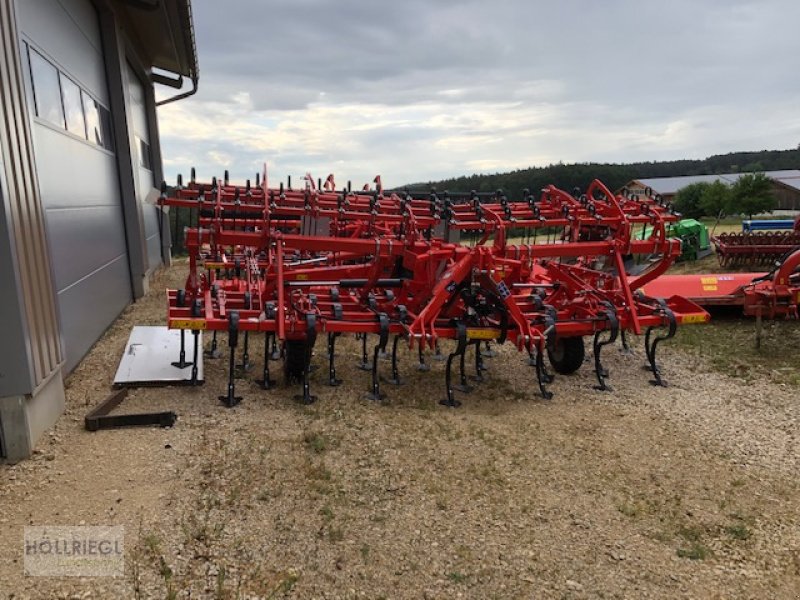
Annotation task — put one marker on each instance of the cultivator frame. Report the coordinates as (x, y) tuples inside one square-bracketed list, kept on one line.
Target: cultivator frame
[(296, 263)]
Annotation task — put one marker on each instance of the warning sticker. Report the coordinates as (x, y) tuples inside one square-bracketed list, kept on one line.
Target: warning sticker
[(694, 318), (482, 334), (188, 324)]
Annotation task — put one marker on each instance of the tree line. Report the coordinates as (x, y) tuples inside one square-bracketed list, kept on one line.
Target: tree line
[(580, 175)]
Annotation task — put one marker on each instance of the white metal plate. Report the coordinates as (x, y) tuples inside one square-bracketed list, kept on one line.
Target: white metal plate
[(149, 354)]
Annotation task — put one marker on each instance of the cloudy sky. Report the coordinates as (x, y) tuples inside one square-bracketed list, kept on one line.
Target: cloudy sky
[(418, 90)]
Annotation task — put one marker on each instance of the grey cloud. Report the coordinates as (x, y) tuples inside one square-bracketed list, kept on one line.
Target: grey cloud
[(621, 70)]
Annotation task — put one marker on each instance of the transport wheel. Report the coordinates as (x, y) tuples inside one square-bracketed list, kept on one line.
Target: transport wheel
[(295, 361), (567, 355)]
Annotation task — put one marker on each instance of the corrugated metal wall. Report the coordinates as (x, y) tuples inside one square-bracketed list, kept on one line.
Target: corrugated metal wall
[(24, 210)]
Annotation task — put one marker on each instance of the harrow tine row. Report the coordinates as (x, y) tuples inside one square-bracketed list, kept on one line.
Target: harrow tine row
[(295, 263)]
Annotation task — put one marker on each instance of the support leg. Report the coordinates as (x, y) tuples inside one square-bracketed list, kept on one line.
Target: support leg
[(181, 362)]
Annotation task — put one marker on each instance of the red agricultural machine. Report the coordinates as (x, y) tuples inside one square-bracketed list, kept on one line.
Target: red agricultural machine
[(751, 247), (543, 273), (772, 295)]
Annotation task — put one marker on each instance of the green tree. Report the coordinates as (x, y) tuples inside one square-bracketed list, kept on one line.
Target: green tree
[(715, 200), (752, 194), (687, 200)]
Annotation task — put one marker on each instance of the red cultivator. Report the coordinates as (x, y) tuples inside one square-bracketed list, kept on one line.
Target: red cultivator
[(543, 273)]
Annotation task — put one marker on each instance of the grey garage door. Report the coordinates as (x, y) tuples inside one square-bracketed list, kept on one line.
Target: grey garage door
[(76, 167)]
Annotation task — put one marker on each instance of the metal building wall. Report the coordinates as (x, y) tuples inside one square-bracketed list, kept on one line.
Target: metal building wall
[(31, 350)]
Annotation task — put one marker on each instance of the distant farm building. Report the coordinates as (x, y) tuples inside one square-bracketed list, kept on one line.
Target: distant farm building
[(786, 185)]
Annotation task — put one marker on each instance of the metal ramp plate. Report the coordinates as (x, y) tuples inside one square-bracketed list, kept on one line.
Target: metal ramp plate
[(149, 354)]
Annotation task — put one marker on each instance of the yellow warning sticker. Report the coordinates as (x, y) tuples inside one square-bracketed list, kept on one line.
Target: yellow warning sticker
[(701, 318), (302, 277), (482, 334), (708, 280), (709, 288), (188, 324)]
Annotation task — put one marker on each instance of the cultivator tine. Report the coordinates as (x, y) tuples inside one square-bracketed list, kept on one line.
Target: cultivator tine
[(395, 379), (597, 347), (332, 380), (231, 399), (276, 352), (196, 335), (364, 365), (542, 376), (461, 348), (479, 368), (650, 347), (489, 352), (626, 349), (311, 337), (437, 353), (450, 399), (383, 338), (213, 352), (421, 366), (246, 364), (266, 382)]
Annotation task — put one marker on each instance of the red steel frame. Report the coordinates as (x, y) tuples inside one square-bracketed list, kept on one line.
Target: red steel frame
[(296, 262)]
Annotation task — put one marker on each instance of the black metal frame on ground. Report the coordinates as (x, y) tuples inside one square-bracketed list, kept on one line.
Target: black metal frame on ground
[(98, 418)]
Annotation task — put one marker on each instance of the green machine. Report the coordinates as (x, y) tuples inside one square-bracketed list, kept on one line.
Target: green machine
[(693, 235)]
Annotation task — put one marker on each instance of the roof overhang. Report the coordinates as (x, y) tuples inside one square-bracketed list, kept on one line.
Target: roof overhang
[(165, 33)]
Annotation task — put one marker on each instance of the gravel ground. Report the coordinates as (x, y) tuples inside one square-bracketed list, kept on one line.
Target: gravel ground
[(643, 492)]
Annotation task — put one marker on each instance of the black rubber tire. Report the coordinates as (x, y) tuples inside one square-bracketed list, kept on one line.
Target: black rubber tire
[(295, 361), (567, 354)]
